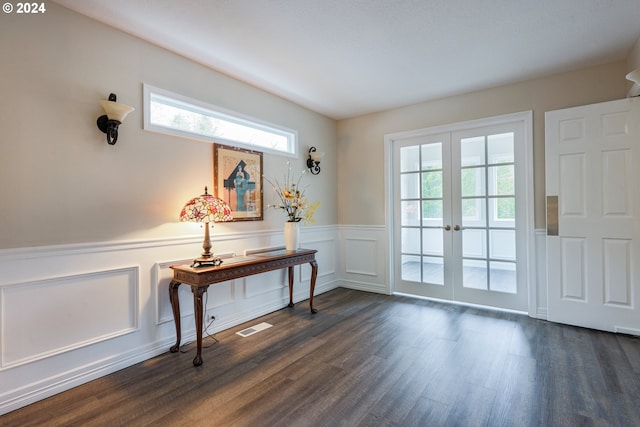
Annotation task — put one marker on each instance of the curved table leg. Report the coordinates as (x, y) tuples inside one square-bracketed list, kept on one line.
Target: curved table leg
[(312, 286), (175, 306), (290, 286), (198, 291)]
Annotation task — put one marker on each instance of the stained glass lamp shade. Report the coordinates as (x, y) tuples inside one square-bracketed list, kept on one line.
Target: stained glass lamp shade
[(205, 209)]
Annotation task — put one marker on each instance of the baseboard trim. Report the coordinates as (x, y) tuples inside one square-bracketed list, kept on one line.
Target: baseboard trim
[(364, 286), (37, 391)]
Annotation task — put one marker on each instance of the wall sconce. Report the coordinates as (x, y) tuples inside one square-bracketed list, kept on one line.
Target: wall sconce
[(634, 77), (109, 122), (313, 162)]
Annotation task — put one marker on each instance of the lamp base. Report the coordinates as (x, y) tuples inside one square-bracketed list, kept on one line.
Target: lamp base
[(206, 258), (212, 261)]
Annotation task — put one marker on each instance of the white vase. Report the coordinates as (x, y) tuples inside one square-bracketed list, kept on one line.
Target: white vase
[(291, 235)]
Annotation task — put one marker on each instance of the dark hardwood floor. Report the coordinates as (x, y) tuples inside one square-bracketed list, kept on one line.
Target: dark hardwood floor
[(371, 360)]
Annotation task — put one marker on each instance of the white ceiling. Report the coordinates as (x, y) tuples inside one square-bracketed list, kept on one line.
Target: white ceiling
[(344, 58)]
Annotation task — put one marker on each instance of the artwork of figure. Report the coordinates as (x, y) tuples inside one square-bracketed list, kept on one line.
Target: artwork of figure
[(241, 183), (238, 181)]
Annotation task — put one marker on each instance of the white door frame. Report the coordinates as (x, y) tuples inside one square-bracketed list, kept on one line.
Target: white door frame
[(527, 118)]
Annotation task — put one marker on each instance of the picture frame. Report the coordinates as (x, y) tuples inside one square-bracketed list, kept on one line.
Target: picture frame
[(237, 179)]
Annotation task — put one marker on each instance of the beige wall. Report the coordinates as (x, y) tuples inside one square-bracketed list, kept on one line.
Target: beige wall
[(60, 181), (633, 60), (361, 139)]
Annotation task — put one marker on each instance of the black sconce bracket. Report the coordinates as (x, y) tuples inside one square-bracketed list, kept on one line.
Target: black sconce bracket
[(314, 166), (110, 125)]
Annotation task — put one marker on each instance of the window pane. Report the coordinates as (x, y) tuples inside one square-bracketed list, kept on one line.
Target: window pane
[(181, 116), (473, 212), (502, 244), (472, 151), (474, 243), (432, 213), (411, 268), (500, 148), (501, 180), (433, 270), (410, 186), (410, 212), (505, 209), (410, 240), (432, 241), (474, 274), (473, 182), (409, 159), (502, 276), (502, 212), (432, 185), (432, 156)]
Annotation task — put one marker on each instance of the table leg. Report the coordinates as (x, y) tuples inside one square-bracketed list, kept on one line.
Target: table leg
[(198, 291), (312, 286), (175, 306), (290, 286)]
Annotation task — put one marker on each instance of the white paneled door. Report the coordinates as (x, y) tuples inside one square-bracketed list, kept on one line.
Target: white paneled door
[(593, 221), (460, 213)]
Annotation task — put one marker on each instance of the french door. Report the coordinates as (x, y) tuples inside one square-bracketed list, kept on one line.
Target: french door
[(461, 213)]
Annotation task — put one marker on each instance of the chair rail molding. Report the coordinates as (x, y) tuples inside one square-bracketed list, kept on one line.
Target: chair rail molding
[(72, 313)]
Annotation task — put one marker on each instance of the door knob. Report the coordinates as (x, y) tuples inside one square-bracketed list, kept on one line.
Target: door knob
[(447, 227), (457, 228)]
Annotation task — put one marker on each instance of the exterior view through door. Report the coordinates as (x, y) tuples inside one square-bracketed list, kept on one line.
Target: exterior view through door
[(462, 211)]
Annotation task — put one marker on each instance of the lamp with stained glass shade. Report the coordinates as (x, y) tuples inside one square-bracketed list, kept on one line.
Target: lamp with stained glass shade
[(206, 209)]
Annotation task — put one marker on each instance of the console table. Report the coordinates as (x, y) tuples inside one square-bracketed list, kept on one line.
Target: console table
[(200, 278)]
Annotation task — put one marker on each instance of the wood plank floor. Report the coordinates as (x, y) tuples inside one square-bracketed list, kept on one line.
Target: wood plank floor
[(371, 360)]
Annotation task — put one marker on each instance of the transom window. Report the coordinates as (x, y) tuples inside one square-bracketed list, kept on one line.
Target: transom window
[(174, 114)]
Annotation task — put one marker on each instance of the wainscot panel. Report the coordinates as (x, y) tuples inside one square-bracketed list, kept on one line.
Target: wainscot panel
[(540, 292), (70, 314), (97, 306), (363, 265)]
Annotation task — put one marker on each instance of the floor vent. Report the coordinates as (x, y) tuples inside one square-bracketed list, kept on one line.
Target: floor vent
[(254, 329)]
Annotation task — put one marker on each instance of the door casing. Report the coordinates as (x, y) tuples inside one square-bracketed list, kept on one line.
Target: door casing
[(527, 246)]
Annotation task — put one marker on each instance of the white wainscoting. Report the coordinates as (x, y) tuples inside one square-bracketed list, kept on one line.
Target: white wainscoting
[(73, 313), (97, 306), (541, 274), (364, 264), (363, 260)]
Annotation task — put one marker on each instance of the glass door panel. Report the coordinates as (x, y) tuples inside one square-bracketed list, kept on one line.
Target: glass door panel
[(500, 148), (457, 229), (488, 246), (473, 182), (410, 186), (488, 186), (474, 274), (472, 151), (421, 194), (474, 212), (433, 270), (424, 205), (503, 277)]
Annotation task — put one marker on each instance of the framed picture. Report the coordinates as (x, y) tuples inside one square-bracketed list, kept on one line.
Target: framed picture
[(237, 179)]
